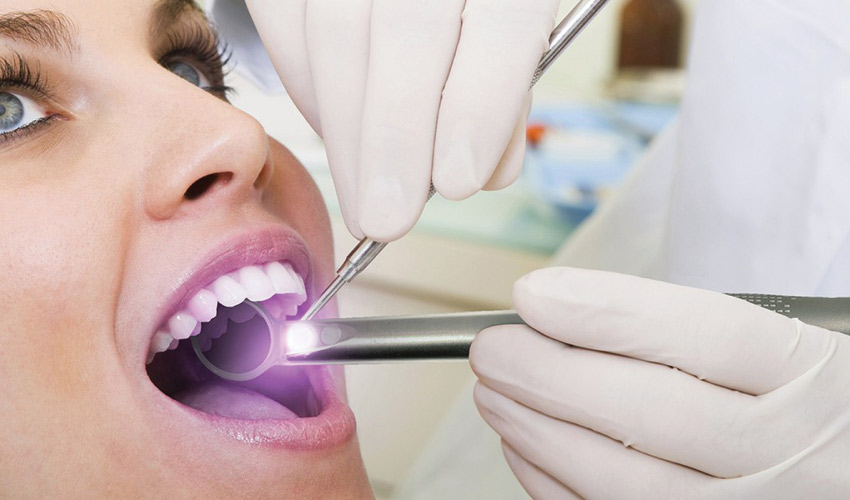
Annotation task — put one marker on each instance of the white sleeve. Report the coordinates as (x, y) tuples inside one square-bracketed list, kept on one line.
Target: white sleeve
[(249, 57), (626, 234), (752, 193)]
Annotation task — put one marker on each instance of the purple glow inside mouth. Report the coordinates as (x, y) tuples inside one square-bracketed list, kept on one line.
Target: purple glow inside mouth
[(244, 341), (237, 340)]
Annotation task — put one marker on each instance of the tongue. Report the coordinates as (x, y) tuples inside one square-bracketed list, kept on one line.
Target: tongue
[(227, 400)]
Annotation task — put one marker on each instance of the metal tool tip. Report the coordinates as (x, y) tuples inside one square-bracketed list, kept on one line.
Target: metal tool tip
[(324, 298)]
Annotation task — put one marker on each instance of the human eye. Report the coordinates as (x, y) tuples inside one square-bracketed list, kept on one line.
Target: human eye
[(18, 112), (189, 73), (21, 96), (196, 55)]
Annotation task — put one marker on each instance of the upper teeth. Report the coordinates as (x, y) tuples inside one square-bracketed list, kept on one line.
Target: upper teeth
[(275, 284)]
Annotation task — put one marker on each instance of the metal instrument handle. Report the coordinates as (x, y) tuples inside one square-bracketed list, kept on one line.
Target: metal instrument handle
[(832, 313), (400, 338), (449, 336)]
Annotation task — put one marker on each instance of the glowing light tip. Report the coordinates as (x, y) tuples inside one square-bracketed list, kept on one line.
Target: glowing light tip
[(300, 338)]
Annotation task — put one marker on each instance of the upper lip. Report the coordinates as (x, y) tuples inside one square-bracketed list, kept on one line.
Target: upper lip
[(243, 249)]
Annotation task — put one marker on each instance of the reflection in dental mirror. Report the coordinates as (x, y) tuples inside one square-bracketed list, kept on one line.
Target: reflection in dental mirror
[(237, 343)]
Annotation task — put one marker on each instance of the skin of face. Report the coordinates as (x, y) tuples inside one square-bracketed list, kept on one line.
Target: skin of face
[(96, 230)]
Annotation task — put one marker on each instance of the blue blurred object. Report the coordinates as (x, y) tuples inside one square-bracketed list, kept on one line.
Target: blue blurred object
[(586, 150)]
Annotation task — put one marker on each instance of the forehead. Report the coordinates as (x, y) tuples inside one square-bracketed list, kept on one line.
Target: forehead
[(62, 25)]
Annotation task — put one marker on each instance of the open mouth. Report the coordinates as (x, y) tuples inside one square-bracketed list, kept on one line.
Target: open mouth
[(213, 315)]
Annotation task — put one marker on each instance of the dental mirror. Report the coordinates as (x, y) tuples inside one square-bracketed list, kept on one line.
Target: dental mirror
[(239, 343)]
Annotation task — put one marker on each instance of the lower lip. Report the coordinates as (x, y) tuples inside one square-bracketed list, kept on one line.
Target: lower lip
[(332, 427)]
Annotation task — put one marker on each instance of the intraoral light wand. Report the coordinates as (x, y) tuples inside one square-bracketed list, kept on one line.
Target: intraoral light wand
[(390, 338), (265, 342), (258, 342), (366, 251), (449, 336), (255, 341)]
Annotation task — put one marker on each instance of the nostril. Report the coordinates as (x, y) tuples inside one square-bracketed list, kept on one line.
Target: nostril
[(205, 183)]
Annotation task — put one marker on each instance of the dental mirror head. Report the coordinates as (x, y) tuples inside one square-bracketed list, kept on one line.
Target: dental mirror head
[(247, 341)]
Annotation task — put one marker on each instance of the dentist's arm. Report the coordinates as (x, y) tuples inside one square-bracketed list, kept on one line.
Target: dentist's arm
[(406, 93), (630, 388)]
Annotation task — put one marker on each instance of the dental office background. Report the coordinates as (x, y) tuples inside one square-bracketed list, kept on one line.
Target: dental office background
[(589, 124)]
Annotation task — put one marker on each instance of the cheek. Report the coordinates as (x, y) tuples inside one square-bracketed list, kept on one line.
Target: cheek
[(293, 195), (57, 247), (60, 273)]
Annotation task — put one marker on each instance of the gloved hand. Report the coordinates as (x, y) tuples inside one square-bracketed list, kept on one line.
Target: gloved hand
[(630, 388), (395, 87)]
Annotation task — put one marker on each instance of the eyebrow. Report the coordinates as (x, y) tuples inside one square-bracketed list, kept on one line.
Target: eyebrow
[(40, 27), (168, 12), (57, 31)]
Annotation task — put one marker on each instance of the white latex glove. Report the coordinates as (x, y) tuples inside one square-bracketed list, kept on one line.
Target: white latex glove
[(395, 87), (711, 396)]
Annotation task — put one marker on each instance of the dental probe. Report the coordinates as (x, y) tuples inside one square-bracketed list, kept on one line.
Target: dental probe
[(365, 252)]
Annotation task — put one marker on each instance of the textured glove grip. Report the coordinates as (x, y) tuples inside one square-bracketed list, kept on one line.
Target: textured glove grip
[(832, 313)]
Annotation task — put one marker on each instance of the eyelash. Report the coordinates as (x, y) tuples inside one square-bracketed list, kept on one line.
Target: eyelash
[(203, 47), (16, 74), (195, 44)]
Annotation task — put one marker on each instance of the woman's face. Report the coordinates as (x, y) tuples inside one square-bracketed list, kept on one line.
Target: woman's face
[(128, 188)]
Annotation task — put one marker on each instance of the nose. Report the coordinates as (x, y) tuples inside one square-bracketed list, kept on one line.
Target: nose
[(204, 152)]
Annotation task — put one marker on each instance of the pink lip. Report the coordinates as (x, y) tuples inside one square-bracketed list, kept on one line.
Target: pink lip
[(335, 423)]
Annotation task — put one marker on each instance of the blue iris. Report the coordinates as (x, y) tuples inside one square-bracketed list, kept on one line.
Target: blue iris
[(11, 111), (186, 72)]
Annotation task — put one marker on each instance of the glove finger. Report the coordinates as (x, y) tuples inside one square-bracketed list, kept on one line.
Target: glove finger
[(657, 410), (590, 464), (510, 166), (338, 48), (712, 336), (281, 25), (400, 110), (500, 45), (536, 483)]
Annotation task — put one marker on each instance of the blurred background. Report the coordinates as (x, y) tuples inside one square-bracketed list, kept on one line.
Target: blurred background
[(595, 111)]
